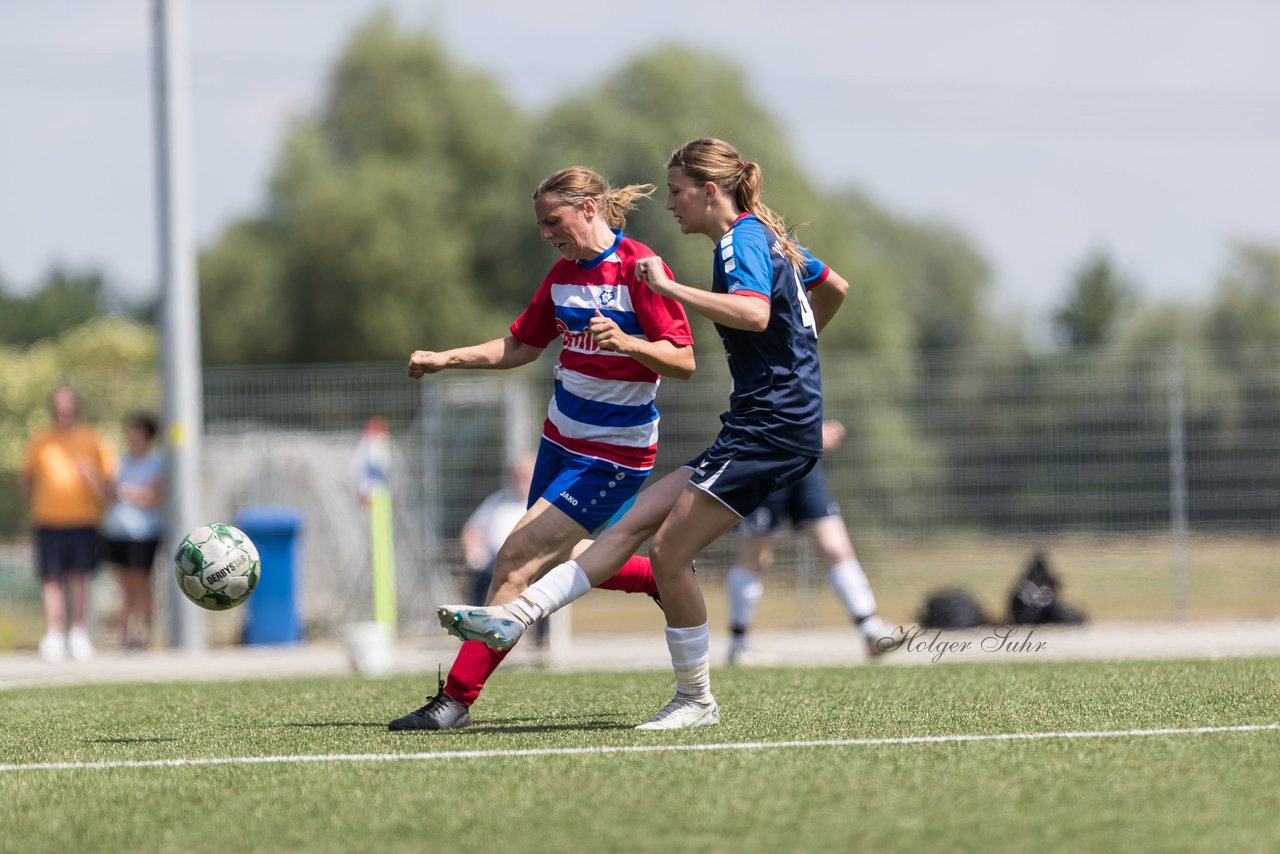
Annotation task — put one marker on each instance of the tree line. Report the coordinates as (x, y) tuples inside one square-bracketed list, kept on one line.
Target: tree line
[(398, 216)]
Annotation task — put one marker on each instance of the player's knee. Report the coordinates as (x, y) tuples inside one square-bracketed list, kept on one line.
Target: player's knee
[(521, 554), (667, 562), (503, 590), (506, 573)]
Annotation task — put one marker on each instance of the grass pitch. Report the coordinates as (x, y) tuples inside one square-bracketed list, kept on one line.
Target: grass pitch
[(511, 783)]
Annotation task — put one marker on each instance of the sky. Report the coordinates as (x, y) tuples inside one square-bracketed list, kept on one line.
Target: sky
[(1043, 130)]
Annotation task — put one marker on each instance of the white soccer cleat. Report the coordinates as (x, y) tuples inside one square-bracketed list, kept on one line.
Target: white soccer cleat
[(682, 713), (53, 647), (79, 645), (494, 627), (747, 656)]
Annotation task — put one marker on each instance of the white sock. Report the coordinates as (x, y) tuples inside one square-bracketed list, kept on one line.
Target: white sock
[(745, 589), (872, 628), (691, 657), (560, 586), (850, 584)]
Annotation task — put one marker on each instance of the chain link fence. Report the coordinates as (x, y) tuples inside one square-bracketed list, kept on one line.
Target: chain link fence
[(1159, 472), (971, 447)]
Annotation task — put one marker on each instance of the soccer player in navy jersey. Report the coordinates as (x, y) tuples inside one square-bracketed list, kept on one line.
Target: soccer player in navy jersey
[(771, 434), (600, 436)]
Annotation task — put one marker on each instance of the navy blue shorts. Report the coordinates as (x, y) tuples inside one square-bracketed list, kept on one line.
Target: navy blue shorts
[(741, 472), (589, 491), (62, 551), (807, 500), (130, 554)]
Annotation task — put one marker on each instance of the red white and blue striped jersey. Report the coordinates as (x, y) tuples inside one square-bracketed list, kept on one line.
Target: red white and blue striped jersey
[(603, 403)]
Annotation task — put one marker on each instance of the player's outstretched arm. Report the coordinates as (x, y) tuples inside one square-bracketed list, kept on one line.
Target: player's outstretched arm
[(498, 354)]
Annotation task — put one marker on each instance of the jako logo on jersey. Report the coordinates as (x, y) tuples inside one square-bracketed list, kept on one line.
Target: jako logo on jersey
[(567, 497), (608, 296), (575, 340)]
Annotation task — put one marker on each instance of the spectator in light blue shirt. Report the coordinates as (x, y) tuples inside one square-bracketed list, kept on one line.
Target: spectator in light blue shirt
[(131, 527)]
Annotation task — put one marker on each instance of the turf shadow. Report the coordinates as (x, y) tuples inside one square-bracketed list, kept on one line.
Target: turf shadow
[(490, 725), (526, 725), (125, 740), (327, 724)]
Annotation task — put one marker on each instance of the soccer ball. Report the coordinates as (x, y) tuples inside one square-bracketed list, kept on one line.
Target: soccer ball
[(217, 566)]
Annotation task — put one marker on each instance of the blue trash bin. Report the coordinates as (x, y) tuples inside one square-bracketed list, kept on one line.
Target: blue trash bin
[(273, 608)]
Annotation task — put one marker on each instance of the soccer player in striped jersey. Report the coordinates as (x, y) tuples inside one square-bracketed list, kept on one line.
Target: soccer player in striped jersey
[(771, 434), (600, 436)]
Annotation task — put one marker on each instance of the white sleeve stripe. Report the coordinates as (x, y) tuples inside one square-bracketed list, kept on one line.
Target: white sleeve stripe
[(612, 297), (616, 392), (639, 436)]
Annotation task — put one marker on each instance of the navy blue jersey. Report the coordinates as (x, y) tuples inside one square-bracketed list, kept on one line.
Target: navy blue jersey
[(777, 386)]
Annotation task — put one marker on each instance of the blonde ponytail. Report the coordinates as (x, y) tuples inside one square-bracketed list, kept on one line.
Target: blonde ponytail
[(574, 184)]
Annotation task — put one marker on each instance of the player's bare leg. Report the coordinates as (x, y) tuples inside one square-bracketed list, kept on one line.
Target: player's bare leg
[(53, 646), (544, 537), (696, 520), (500, 626), (745, 586), (849, 581)]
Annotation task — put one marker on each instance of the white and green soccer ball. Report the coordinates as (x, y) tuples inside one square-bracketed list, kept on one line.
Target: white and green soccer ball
[(217, 566)]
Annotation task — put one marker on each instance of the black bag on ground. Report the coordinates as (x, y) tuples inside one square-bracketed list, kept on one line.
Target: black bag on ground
[(1034, 599), (953, 608)]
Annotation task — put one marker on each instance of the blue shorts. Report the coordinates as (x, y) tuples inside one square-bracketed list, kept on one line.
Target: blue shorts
[(62, 551), (591, 492), (741, 472), (807, 500)]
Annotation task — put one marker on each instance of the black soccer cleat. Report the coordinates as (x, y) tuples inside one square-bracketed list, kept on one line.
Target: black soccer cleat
[(440, 712)]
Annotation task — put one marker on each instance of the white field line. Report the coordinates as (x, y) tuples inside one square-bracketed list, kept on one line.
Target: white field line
[(643, 748)]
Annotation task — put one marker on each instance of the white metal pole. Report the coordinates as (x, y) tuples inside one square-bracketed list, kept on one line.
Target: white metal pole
[(179, 327), (1178, 484)]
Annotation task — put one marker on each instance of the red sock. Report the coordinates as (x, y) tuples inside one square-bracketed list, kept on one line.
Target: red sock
[(636, 576), (473, 666)]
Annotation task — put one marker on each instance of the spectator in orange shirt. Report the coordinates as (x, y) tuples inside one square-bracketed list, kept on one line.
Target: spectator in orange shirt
[(65, 476)]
